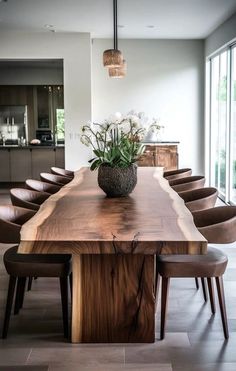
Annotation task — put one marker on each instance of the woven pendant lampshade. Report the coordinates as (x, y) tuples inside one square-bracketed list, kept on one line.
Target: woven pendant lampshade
[(118, 72), (113, 58)]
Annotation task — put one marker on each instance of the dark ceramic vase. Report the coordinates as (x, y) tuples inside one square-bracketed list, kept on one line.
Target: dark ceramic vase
[(116, 181)]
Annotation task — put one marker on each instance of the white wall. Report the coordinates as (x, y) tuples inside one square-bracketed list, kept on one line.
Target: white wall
[(165, 79), (221, 36), (75, 50)]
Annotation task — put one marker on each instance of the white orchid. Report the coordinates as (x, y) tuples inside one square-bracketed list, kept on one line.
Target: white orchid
[(117, 141)]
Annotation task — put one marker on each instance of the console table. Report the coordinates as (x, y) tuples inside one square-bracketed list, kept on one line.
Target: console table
[(163, 154)]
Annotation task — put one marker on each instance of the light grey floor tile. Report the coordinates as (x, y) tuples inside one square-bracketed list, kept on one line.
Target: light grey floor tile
[(90, 355), (112, 367), (14, 356)]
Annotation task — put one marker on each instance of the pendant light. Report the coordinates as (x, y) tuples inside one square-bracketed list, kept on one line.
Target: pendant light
[(113, 58), (118, 72)]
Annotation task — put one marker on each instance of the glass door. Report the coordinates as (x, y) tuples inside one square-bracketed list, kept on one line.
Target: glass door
[(218, 124), (232, 191)]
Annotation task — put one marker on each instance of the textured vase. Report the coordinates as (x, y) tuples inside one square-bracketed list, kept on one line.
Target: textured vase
[(116, 181)]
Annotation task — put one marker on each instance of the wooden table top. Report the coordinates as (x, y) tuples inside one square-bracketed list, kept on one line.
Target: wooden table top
[(81, 219)]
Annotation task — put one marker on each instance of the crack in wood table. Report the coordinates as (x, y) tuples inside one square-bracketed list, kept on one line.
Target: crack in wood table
[(113, 242)]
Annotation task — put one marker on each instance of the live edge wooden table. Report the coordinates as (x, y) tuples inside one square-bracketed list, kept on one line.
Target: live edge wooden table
[(113, 242)]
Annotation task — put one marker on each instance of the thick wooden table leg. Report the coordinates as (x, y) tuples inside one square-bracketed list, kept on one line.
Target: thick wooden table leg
[(113, 299)]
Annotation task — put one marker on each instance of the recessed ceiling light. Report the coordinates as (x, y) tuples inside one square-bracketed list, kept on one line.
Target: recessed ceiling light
[(150, 26)]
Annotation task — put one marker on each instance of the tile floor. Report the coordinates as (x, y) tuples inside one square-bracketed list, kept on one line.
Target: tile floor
[(194, 339)]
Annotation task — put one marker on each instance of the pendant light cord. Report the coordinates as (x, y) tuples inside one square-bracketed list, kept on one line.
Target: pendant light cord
[(115, 24)]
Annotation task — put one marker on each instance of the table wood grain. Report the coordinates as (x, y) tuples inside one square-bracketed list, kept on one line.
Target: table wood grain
[(113, 242)]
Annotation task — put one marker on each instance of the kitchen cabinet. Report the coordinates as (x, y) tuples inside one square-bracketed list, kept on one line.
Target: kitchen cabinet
[(20, 164), (42, 160), (60, 157), (5, 165), (165, 155)]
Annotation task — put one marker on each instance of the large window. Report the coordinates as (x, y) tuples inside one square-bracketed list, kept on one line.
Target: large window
[(222, 112)]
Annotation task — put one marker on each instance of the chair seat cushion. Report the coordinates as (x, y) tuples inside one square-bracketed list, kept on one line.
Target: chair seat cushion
[(212, 264), (36, 265)]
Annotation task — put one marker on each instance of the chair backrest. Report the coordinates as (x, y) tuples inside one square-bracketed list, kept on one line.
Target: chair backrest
[(199, 199), (218, 224), (62, 172), (177, 174), (187, 183), (27, 198), (54, 179), (37, 185), (11, 220)]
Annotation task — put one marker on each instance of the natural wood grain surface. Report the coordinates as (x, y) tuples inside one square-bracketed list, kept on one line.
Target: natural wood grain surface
[(113, 299), (80, 218), (113, 242)]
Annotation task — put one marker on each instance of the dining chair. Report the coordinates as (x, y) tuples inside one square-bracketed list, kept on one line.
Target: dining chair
[(187, 183), (54, 179), (217, 225), (199, 199), (38, 185), (177, 174), (27, 198), (21, 266), (63, 172)]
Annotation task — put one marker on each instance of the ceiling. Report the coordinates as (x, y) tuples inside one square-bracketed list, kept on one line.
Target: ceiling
[(140, 18)]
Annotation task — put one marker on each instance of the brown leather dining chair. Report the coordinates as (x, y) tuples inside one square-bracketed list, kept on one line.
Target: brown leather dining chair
[(27, 198), (62, 172), (187, 183), (37, 185), (54, 179), (177, 174), (217, 225), (21, 266), (199, 199)]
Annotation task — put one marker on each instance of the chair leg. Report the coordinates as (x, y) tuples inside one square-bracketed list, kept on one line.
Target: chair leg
[(10, 295), (71, 284), (30, 280), (211, 294), (64, 302), (221, 297), (164, 304), (197, 283), (157, 287), (204, 288), (20, 293)]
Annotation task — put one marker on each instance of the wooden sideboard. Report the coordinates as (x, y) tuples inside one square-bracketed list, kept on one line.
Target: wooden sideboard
[(165, 155)]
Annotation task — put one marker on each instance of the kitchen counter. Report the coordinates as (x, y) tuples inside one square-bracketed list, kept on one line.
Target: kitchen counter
[(13, 146)]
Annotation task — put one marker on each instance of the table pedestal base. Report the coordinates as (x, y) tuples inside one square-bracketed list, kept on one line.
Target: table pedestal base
[(113, 299)]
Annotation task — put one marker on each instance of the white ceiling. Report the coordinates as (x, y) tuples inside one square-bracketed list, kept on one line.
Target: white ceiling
[(170, 18)]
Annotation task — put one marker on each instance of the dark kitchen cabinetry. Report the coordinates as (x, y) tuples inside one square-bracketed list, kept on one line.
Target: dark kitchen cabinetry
[(18, 164)]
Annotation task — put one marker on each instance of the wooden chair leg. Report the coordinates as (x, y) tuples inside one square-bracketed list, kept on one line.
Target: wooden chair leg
[(30, 280), (221, 297), (64, 302), (10, 295), (164, 304), (204, 288), (20, 293), (197, 283), (211, 294)]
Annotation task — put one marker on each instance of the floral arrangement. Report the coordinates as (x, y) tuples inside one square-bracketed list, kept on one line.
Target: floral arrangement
[(117, 141)]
